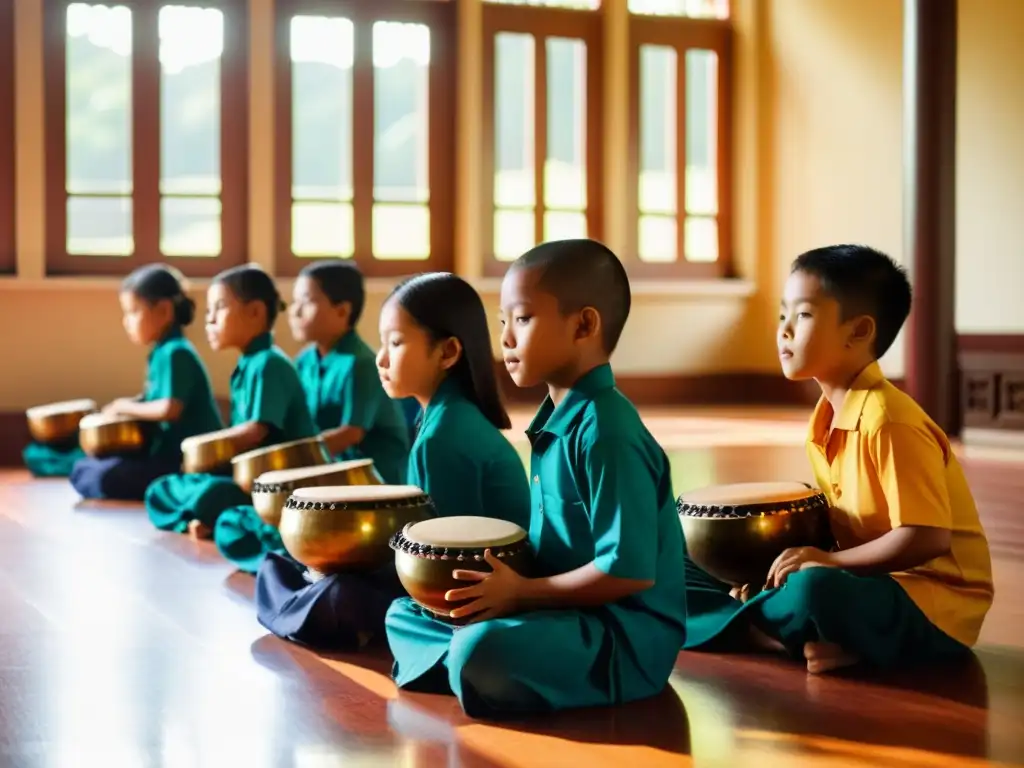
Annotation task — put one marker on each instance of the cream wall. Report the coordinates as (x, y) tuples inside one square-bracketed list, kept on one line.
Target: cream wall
[(817, 158)]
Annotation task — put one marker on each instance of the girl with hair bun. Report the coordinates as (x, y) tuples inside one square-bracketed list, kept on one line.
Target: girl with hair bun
[(177, 401)]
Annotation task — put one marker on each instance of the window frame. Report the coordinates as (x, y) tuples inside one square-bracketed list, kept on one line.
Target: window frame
[(145, 119), (542, 22), (440, 17), (682, 34), (8, 153)]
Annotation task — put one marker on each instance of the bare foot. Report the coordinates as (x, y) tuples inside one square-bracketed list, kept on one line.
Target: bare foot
[(826, 657), (744, 593), (199, 531), (764, 641)]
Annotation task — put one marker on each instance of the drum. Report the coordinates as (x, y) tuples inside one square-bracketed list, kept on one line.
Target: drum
[(347, 528), (735, 532), (57, 423), (271, 489), (209, 452), (101, 435), (427, 552), (246, 467)]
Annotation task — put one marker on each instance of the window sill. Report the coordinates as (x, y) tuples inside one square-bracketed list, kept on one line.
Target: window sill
[(379, 286)]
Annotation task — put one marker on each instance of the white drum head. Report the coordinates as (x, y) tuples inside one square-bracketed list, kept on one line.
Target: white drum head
[(271, 448), (464, 532), (350, 494), (280, 476), (100, 420), (67, 406), (741, 494)]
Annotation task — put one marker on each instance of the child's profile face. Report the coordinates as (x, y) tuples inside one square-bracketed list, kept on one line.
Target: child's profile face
[(537, 339), (312, 317), (812, 340), (230, 322), (409, 362), (144, 323)]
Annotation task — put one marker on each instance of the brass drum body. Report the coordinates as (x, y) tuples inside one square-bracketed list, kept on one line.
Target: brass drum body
[(271, 490), (735, 532), (101, 435), (208, 452), (426, 554), (57, 423), (246, 467), (348, 528)]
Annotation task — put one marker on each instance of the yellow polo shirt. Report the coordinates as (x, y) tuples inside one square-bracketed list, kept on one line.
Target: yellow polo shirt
[(887, 464)]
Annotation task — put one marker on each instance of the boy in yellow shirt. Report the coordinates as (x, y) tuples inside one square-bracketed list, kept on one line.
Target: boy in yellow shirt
[(910, 579)]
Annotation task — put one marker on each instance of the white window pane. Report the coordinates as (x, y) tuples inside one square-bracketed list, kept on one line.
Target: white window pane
[(564, 225), (322, 229), (191, 45), (658, 130), (658, 239), (701, 239), (401, 71), (585, 5), (565, 168), (513, 120), (401, 231), (702, 132), (696, 9), (99, 99), (100, 226), (513, 234), (190, 226), (321, 53)]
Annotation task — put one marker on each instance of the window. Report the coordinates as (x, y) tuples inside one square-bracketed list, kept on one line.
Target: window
[(542, 125), (8, 262), (680, 140), (365, 134), (147, 135)]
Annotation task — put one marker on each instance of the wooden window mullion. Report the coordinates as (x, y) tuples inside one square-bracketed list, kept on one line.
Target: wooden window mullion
[(146, 144), (362, 142), (234, 137), (540, 132)]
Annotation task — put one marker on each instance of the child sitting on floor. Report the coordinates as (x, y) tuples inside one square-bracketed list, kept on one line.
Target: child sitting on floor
[(603, 618), (911, 577)]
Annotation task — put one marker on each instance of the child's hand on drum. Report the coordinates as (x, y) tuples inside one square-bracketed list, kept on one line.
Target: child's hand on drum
[(793, 560), (496, 593)]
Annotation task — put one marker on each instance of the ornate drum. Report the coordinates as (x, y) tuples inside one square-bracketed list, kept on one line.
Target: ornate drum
[(271, 489), (209, 452), (101, 435), (427, 552), (246, 467), (57, 423), (735, 532), (346, 528)]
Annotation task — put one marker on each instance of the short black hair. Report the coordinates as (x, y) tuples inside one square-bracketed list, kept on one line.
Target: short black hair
[(864, 281), (583, 273), (446, 306), (160, 282), (250, 283), (340, 281)]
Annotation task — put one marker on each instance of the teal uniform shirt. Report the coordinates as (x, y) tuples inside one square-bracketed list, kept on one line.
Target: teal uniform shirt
[(601, 493), (176, 372), (465, 464), (264, 388), (343, 389)]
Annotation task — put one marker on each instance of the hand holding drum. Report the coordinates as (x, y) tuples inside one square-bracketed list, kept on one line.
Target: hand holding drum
[(735, 532)]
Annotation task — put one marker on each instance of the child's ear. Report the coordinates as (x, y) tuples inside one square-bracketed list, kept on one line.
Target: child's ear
[(451, 351), (862, 330), (589, 324), (343, 310)]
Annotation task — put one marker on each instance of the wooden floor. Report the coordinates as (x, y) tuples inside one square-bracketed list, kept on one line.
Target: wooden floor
[(122, 646)]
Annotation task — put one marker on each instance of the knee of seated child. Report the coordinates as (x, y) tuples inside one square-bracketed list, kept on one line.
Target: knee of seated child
[(815, 587), (480, 656)]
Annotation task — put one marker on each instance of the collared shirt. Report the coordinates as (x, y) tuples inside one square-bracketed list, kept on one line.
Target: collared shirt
[(175, 371), (266, 388), (343, 389), (601, 492), (465, 463), (883, 463)]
